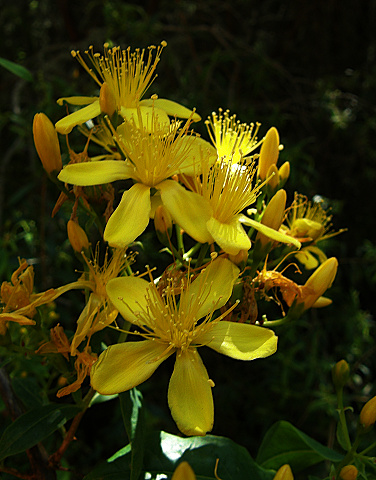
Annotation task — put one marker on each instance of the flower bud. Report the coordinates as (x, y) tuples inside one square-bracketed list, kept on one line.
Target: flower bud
[(350, 472), (183, 472), (269, 153), (367, 415), (340, 374), (47, 143), (284, 473), (107, 100), (273, 181), (320, 281), (273, 215), (284, 173), (77, 237), (163, 224)]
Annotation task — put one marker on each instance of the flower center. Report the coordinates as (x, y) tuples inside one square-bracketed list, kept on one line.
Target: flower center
[(128, 74), (232, 139)]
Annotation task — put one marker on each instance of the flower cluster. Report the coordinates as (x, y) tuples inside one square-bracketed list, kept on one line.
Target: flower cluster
[(224, 197)]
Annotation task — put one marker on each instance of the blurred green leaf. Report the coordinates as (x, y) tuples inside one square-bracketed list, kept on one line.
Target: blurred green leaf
[(163, 452), (283, 443), (33, 427), (18, 70)]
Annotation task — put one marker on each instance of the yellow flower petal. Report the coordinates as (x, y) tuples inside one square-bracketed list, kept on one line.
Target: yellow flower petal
[(307, 259), (78, 100), (95, 173), (199, 150), (322, 302), (231, 237), (214, 286), (66, 124), (125, 365), (240, 340), (146, 117), (130, 218), (16, 317), (130, 291), (269, 232), (171, 108), (188, 209), (189, 395)]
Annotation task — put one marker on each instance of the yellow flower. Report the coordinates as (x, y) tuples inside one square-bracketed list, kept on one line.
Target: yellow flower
[(309, 223), (170, 325), (227, 189), (127, 75), (17, 301), (152, 160), (99, 312), (232, 139)]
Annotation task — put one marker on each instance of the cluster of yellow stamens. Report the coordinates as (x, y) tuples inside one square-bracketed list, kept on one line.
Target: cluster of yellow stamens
[(128, 74), (232, 139)]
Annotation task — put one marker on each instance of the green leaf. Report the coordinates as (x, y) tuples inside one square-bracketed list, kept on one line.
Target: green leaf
[(28, 391), (18, 70), (283, 443), (163, 452), (33, 427), (133, 418)]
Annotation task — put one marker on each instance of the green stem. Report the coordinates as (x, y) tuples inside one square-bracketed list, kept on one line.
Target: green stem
[(202, 253), (342, 419)]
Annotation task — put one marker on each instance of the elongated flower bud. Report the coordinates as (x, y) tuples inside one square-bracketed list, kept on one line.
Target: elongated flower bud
[(350, 472), (184, 472), (273, 215), (340, 374), (367, 415), (77, 237), (107, 100), (269, 153), (320, 281), (284, 473), (284, 173), (47, 143)]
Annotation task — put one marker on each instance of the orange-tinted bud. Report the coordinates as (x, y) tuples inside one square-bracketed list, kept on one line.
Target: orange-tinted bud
[(77, 237), (284, 473), (240, 258), (269, 152), (47, 143), (350, 472), (340, 374), (184, 472), (107, 100), (163, 224), (367, 415), (320, 281)]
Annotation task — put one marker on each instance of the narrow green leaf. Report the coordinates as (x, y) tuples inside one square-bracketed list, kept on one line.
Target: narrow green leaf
[(18, 70), (133, 418), (283, 443), (33, 427)]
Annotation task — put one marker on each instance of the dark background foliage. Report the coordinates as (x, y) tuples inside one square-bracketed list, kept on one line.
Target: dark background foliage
[(306, 67)]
